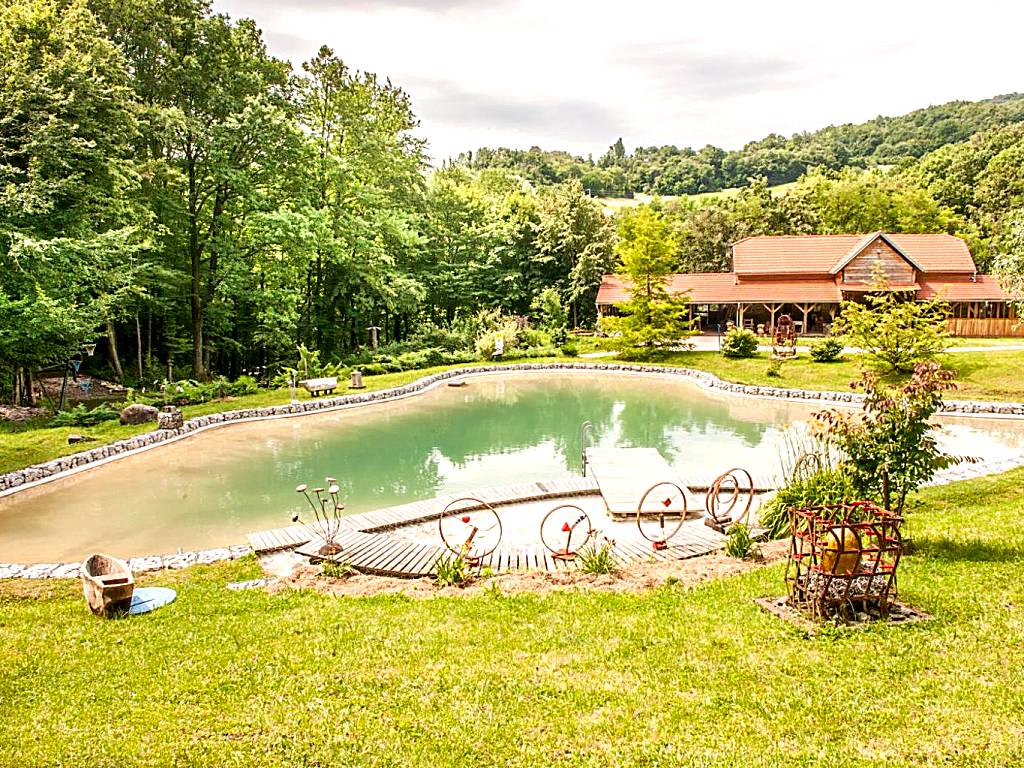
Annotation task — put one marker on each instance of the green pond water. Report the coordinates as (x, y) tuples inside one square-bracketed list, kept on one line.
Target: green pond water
[(210, 489)]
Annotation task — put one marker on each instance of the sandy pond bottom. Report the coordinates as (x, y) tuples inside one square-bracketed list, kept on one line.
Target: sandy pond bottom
[(212, 488)]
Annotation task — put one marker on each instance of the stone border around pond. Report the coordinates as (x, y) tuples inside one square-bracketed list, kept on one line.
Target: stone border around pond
[(146, 564), (18, 480)]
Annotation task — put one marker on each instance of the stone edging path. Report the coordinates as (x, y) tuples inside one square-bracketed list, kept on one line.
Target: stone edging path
[(15, 481)]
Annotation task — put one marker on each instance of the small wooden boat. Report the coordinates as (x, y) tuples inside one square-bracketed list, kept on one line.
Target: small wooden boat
[(457, 383), (108, 585)]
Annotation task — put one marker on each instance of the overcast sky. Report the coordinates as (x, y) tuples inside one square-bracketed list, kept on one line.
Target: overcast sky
[(573, 74)]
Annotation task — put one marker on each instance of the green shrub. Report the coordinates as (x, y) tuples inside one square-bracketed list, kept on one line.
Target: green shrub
[(827, 350), (824, 486), (373, 369), (597, 559), (80, 416), (739, 342), (452, 571), (774, 369), (739, 543), (532, 337), (458, 356), (570, 349), (243, 385), (340, 569)]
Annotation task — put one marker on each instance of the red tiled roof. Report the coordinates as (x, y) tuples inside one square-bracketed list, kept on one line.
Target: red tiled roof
[(723, 288), (952, 288), (819, 254), (867, 288)]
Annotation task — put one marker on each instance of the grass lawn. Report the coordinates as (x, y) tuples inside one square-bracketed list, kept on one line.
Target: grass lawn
[(991, 375), (670, 677), (981, 375)]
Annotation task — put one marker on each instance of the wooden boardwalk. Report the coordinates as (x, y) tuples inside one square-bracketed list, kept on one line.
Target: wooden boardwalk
[(623, 475), (386, 554), (371, 545)]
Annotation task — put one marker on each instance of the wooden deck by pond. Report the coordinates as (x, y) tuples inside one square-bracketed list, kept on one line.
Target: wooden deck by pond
[(623, 475), (371, 543)]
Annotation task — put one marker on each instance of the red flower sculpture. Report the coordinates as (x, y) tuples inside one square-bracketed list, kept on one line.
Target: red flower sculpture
[(465, 518), (667, 502), (566, 527)]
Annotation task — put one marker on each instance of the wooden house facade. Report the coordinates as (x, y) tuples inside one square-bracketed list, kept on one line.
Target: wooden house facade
[(809, 276)]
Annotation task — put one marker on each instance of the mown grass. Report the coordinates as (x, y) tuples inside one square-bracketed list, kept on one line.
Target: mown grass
[(669, 677), (994, 375)]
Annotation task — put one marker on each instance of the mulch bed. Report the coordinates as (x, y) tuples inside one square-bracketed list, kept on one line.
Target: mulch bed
[(899, 613)]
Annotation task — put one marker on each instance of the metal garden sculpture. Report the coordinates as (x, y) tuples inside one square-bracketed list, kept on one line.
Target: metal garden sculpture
[(733, 488), (565, 530), (470, 529), (843, 559), (327, 509), (668, 504)]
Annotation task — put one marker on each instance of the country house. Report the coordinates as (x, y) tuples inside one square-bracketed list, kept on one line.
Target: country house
[(808, 276)]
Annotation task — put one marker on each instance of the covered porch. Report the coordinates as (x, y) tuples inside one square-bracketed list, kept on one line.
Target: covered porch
[(809, 318), (984, 319)]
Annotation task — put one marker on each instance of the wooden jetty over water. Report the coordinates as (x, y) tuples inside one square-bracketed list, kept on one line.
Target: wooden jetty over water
[(371, 543)]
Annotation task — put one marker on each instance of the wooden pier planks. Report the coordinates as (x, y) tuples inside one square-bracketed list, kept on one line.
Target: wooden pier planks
[(623, 475), (371, 544)]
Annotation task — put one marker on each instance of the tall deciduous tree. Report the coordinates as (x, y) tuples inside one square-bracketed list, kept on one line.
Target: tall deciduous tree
[(68, 229), (215, 130)]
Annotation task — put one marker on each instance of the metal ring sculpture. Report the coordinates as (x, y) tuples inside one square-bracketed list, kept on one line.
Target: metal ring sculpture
[(567, 551), (466, 526), (806, 465), (661, 542), (724, 495)]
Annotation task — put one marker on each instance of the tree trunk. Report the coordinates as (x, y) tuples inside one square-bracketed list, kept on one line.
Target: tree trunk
[(138, 347), (195, 260), (149, 339), (17, 386), (30, 393), (112, 345)]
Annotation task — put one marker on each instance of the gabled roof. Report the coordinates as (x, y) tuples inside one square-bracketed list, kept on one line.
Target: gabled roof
[(825, 254), (863, 243), (724, 288)]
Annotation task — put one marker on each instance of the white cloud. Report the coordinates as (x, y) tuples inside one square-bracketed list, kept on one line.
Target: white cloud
[(574, 75)]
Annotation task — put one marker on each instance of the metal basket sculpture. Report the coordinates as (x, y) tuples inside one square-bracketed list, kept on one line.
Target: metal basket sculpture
[(470, 529), (733, 488), (560, 526), (843, 559), (670, 504)]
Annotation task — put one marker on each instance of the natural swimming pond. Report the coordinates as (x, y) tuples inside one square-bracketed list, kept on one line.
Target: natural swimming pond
[(210, 489)]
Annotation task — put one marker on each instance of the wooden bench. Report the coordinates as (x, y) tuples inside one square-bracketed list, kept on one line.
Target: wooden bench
[(324, 386)]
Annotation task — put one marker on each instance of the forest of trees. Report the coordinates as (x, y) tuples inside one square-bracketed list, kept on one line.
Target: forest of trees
[(172, 191), (670, 170), (169, 188)]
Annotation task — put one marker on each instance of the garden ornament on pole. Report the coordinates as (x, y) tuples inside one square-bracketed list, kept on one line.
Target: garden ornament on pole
[(72, 366), (558, 528), (669, 501), (470, 529)]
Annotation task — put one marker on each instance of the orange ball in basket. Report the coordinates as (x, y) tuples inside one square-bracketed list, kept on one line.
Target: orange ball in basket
[(842, 550)]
